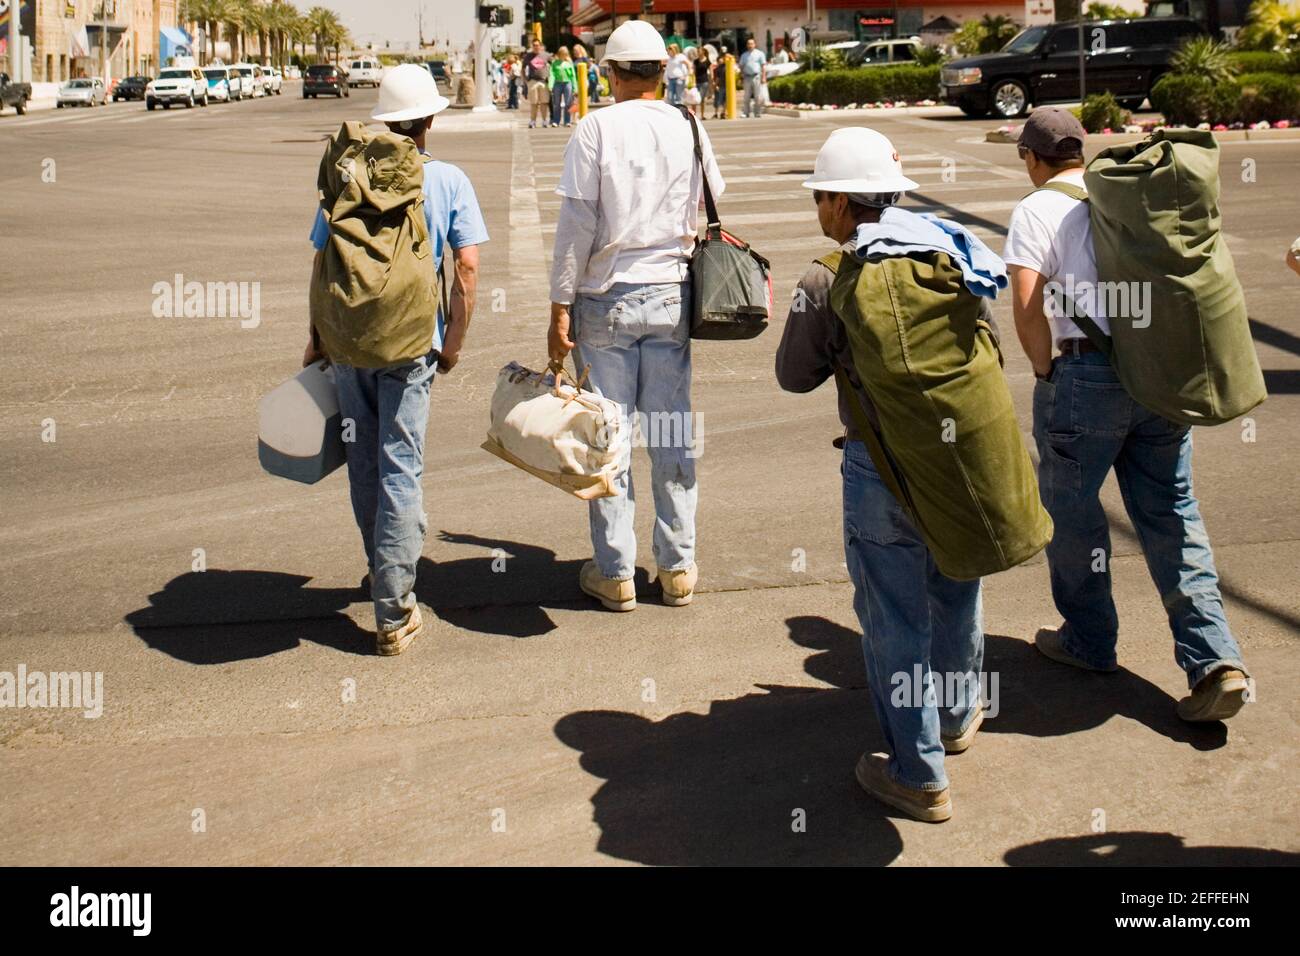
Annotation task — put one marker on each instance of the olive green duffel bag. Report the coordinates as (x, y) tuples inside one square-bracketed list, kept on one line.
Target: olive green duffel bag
[(949, 446), (373, 297), (1154, 207)]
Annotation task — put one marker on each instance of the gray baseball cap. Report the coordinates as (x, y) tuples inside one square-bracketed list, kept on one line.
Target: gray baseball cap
[(1053, 133)]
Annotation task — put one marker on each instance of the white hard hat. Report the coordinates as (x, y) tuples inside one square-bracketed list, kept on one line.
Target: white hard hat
[(855, 159), (408, 92), (635, 41)]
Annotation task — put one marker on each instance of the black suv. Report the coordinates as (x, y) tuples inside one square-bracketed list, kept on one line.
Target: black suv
[(130, 88), (1041, 65), (325, 78)]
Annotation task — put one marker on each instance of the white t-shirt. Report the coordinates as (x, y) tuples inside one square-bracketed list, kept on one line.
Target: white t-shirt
[(1051, 234), (677, 68), (636, 160)]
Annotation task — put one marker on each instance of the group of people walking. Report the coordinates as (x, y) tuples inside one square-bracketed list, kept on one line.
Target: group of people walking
[(549, 83), (621, 297)]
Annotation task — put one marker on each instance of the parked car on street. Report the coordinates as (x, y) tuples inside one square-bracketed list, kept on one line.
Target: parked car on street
[(327, 79), (14, 94), (241, 83), (1041, 65), (83, 91), (177, 84), (292, 73), (883, 52), (219, 83), (130, 88), (257, 79), (365, 70), (274, 80)]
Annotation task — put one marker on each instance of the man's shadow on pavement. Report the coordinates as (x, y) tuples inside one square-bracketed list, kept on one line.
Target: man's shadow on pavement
[(219, 616), (726, 787), (763, 779), (1138, 848)]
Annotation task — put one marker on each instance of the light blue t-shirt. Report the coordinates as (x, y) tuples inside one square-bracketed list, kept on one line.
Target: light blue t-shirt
[(752, 61), (450, 211)]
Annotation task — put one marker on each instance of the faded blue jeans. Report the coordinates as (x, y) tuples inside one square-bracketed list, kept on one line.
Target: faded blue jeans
[(674, 91), (916, 623), (636, 338), (1085, 423), (390, 409)]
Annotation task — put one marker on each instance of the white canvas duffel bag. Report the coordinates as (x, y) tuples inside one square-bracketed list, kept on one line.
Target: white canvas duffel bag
[(562, 434)]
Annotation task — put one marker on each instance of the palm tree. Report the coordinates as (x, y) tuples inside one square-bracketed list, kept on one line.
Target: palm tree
[(1271, 26), (1205, 57), (209, 13), (324, 25), (300, 33), (253, 15), (997, 31), (280, 16)]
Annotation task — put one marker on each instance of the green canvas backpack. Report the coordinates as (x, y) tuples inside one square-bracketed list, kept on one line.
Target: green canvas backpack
[(1154, 209), (949, 446), (373, 297)]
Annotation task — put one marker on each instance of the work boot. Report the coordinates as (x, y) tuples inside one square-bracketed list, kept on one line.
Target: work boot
[(961, 742), (928, 806), (392, 642), (1217, 696), (1048, 642), (679, 586), (615, 595)]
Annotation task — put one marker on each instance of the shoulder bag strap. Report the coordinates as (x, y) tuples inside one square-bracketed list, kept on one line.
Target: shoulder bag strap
[(709, 206)]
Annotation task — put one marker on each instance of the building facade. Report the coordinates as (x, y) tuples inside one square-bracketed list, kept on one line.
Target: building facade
[(136, 34)]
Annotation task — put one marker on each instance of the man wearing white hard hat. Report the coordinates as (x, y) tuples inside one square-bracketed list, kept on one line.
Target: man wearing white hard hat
[(390, 406), (620, 294), (911, 615)]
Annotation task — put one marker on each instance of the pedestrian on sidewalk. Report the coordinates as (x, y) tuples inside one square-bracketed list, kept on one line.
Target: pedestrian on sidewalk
[(675, 75), (914, 619), (562, 82), (703, 67), (389, 406), (620, 295), (752, 66), (511, 70), (1085, 425), (537, 75), (719, 84)]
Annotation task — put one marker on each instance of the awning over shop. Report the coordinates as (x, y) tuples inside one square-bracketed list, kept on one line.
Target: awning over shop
[(174, 42)]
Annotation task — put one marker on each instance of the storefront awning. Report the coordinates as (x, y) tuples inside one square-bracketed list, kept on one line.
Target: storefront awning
[(177, 36)]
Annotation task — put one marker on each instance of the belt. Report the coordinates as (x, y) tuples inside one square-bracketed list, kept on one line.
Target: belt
[(1077, 347)]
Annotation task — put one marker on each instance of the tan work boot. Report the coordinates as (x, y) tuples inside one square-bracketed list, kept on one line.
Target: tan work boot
[(1218, 696), (392, 642), (928, 806), (679, 586), (615, 595), (961, 743), (1049, 643)]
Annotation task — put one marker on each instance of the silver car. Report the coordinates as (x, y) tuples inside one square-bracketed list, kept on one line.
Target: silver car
[(83, 91)]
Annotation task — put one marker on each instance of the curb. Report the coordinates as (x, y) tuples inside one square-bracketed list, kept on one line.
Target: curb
[(1222, 136), (791, 113)]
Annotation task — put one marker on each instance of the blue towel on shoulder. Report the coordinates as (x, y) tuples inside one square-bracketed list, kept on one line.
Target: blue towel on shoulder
[(900, 232)]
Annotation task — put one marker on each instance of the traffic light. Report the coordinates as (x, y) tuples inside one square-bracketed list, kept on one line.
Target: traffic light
[(495, 16)]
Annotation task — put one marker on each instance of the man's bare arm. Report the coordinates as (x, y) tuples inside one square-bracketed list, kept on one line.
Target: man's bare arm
[(1031, 321), (464, 291)]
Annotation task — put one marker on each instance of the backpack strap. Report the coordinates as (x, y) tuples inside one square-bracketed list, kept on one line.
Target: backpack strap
[(715, 224), (1084, 321), (831, 260)]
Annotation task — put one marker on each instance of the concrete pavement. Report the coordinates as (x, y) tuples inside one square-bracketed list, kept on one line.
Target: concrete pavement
[(527, 726)]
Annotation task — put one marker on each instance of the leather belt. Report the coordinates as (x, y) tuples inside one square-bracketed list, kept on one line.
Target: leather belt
[(1077, 347)]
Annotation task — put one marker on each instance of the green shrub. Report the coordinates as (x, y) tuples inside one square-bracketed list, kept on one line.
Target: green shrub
[(1101, 111), (1269, 96), (1182, 99), (1203, 57), (866, 84), (1259, 61)]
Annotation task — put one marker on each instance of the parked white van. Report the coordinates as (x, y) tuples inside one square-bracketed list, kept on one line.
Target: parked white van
[(254, 81), (365, 69)]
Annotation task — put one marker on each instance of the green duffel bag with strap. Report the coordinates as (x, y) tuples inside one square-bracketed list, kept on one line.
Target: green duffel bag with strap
[(949, 445), (1187, 354), (373, 291)]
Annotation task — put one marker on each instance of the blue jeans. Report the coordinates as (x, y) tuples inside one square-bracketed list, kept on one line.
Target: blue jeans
[(915, 623), (1085, 423), (390, 409), (673, 91), (561, 98), (636, 340)]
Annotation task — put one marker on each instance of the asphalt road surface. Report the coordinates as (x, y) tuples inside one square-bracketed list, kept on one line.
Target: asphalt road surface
[(245, 718)]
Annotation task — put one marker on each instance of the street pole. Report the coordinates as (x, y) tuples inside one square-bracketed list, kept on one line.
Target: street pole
[(12, 17), (482, 81), (1083, 89)]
